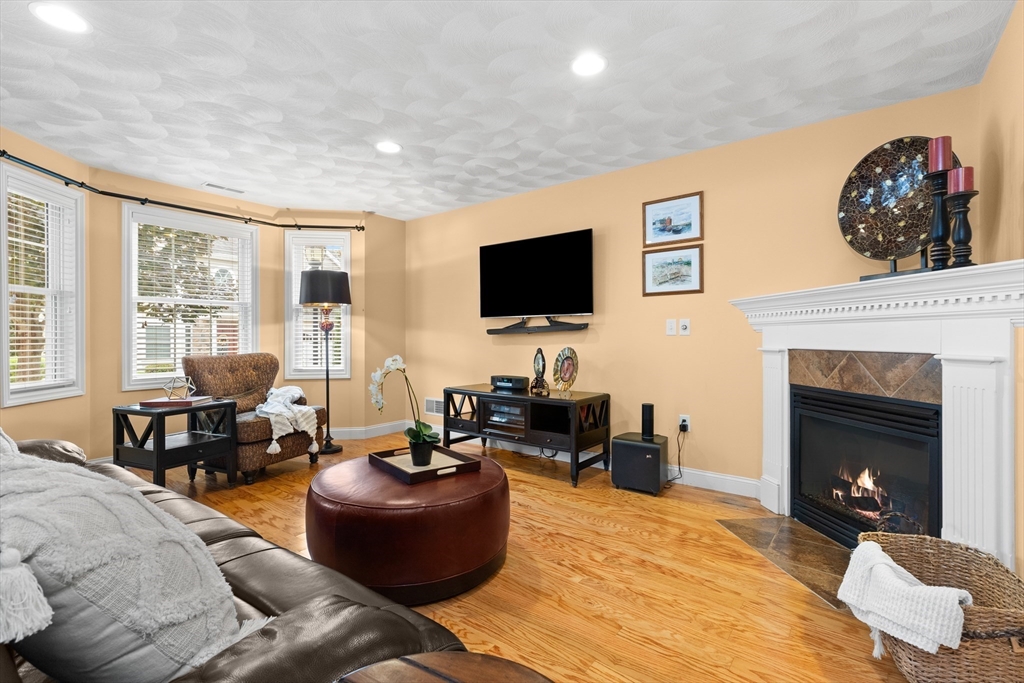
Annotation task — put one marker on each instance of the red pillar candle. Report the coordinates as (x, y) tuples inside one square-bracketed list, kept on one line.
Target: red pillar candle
[(940, 154), (960, 180)]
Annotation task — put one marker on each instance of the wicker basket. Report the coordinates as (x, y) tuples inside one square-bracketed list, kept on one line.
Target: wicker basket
[(986, 652)]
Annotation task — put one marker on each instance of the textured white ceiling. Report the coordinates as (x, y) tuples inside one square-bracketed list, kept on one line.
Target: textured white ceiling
[(285, 100)]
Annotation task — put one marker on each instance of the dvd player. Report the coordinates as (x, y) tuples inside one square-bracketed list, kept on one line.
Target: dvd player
[(510, 382)]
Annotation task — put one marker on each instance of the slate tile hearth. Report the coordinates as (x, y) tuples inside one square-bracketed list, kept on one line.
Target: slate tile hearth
[(812, 559)]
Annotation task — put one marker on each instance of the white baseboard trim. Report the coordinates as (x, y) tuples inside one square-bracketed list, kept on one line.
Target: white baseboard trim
[(771, 494), (725, 483), (714, 481), (370, 431)]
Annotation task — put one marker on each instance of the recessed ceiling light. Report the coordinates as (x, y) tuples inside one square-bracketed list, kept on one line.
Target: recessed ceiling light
[(389, 147), (60, 17), (588, 64)]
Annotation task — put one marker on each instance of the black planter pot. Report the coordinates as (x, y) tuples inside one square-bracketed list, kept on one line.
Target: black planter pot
[(421, 453)]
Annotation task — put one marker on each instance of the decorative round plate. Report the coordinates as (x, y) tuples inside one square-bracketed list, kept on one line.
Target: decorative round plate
[(565, 368), (885, 208)]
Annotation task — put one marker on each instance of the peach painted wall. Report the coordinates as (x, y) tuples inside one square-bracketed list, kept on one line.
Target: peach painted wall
[(769, 209), (68, 418), (86, 420), (770, 221), (1001, 161), (385, 306), (1001, 202)]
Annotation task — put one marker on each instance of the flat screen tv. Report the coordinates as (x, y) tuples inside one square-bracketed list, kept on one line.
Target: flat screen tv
[(543, 276)]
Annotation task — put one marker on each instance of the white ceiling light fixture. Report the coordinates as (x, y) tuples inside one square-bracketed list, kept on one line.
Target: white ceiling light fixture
[(589, 64), (60, 16), (388, 147)]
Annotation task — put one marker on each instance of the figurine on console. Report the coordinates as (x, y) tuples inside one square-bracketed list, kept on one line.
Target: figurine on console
[(539, 386)]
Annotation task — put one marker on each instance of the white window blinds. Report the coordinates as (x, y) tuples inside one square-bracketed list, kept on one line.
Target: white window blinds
[(192, 291), (43, 282), (304, 341)]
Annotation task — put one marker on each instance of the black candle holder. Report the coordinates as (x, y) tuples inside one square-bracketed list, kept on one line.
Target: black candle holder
[(939, 237), (959, 206)]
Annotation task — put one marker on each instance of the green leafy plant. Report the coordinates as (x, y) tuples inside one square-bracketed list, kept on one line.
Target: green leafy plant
[(421, 432)]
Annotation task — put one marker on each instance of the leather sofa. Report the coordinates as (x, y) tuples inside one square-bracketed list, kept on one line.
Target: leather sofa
[(246, 378), (327, 625)]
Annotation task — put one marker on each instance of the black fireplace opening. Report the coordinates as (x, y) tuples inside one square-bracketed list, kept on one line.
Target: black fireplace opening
[(864, 463)]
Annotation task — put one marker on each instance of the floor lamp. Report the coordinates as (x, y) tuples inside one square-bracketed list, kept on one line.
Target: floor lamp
[(325, 289)]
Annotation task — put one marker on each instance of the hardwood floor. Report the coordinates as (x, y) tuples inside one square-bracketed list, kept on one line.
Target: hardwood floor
[(603, 584)]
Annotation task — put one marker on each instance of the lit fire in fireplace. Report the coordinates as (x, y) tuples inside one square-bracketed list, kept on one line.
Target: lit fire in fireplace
[(860, 493)]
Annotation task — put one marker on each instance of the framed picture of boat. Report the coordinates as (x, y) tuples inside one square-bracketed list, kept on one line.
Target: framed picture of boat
[(674, 219), (677, 270)]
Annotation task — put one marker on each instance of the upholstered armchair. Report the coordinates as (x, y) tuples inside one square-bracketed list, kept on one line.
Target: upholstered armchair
[(246, 378)]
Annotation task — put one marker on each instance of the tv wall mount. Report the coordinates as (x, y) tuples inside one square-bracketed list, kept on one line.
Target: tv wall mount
[(553, 326)]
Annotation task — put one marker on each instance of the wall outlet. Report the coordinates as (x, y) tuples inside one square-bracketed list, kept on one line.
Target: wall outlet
[(685, 420), (684, 326), (670, 327)]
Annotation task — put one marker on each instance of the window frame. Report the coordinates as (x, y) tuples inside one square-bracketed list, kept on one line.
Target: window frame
[(306, 237), (13, 178), (132, 214)]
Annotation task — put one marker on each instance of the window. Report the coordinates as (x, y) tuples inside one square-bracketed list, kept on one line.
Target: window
[(190, 287), (42, 288), (304, 342)]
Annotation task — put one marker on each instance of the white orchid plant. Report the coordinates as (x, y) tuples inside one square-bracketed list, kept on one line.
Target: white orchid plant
[(422, 432)]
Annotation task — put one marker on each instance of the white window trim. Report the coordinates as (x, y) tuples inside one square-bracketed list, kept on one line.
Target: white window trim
[(17, 397), (307, 236), (134, 213)]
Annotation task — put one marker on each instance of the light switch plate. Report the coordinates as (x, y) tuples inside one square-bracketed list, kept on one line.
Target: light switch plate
[(684, 326), (670, 327)]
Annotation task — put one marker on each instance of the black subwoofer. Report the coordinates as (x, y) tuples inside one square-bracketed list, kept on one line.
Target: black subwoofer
[(639, 464)]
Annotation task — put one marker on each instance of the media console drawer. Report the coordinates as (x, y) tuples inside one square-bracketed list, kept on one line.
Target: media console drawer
[(461, 425), (549, 439)]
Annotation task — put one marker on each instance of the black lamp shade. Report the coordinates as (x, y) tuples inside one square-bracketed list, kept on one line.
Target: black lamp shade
[(324, 288)]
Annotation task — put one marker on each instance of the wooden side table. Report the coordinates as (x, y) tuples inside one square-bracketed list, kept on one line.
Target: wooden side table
[(205, 439), (446, 667)]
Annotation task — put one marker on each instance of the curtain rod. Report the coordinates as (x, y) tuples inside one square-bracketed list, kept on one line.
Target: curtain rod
[(4, 154)]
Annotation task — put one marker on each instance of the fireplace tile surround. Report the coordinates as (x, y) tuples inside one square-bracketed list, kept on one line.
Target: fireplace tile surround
[(909, 376), (963, 320)]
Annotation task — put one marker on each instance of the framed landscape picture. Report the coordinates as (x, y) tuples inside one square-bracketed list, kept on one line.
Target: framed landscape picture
[(679, 270), (674, 220)]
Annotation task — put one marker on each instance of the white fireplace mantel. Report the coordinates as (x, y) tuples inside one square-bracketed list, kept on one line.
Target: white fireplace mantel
[(966, 318)]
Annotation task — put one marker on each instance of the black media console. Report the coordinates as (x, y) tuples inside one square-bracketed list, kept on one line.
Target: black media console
[(566, 421)]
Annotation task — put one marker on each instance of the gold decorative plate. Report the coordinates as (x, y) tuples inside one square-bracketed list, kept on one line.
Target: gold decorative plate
[(567, 364)]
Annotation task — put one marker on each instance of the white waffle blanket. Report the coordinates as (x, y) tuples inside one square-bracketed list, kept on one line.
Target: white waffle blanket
[(887, 597), (286, 416)]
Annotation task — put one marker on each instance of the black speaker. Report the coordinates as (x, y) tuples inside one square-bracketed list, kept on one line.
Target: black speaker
[(648, 421), (639, 464)]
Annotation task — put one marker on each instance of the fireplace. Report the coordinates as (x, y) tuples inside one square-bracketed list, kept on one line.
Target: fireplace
[(864, 463), (964, 318)]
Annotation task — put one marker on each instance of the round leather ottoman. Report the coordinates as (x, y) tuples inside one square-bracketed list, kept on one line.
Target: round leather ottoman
[(413, 543)]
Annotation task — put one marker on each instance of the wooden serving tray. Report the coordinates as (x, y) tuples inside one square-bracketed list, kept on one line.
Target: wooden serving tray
[(443, 462)]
